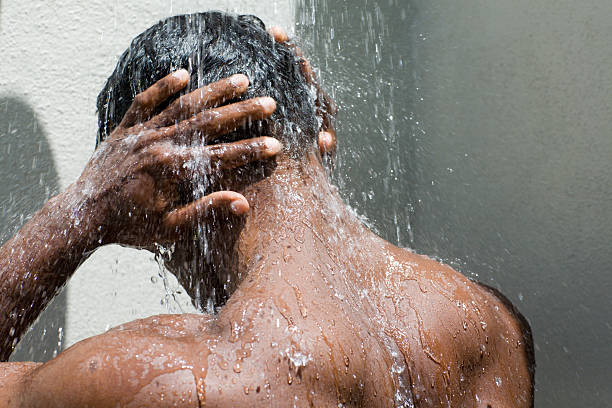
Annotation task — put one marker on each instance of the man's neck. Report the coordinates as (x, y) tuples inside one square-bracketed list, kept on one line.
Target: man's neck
[(296, 217)]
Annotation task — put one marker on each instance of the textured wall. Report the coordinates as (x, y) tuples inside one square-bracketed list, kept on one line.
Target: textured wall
[(56, 57)]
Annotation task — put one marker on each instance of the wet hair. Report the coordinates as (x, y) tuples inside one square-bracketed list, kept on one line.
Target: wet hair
[(212, 46)]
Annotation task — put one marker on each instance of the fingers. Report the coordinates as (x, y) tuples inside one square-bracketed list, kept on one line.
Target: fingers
[(145, 102), (215, 122), (326, 108), (307, 71), (327, 143), (230, 155), (209, 96), (279, 34), (185, 162), (222, 156), (189, 215)]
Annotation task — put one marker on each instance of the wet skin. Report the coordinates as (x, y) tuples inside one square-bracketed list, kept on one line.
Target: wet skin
[(325, 313), (321, 312)]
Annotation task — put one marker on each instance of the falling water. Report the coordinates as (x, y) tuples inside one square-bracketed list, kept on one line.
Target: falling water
[(363, 58), (366, 70)]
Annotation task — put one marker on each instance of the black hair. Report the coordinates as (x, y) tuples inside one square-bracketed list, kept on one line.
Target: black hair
[(212, 46)]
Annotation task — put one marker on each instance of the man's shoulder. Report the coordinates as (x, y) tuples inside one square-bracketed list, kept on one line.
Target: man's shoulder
[(456, 322), (445, 302), (516, 324), (432, 284), (405, 269)]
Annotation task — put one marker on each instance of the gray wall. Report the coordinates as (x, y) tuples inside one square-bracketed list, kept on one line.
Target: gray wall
[(497, 158), (56, 56)]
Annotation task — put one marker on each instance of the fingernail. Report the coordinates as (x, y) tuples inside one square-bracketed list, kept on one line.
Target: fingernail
[(268, 104), (325, 138), (278, 34), (181, 75), (273, 146), (239, 81), (238, 207)]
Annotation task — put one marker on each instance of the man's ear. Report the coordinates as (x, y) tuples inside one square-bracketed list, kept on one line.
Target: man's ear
[(327, 136)]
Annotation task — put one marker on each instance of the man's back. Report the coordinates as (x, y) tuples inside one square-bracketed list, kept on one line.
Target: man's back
[(398, 330), (464, 345), (312, 326), (328, 313)]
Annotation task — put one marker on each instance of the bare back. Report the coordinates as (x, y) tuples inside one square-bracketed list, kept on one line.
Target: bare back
[(359, 325)]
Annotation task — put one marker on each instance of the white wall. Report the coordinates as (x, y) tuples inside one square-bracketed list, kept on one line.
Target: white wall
[(56, 57)]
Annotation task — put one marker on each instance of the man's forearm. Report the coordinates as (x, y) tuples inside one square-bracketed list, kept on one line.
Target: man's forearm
[(39, 259)]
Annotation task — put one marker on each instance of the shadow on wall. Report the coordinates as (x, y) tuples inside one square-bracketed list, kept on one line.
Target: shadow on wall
[(28, 178)]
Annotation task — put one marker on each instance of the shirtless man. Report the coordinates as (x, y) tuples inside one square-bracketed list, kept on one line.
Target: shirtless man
[(319, 312)]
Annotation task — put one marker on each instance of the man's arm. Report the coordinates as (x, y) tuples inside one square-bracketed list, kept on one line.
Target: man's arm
[(11, 376), (128, 193), (39, 259), (127, 367)]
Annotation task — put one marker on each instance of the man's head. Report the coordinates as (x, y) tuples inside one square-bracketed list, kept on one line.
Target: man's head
[(211, 46)]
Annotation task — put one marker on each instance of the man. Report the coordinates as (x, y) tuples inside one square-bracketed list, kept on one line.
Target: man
[(313, 308)]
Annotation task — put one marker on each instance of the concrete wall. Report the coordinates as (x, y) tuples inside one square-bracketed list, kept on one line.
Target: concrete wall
[(56, 57)]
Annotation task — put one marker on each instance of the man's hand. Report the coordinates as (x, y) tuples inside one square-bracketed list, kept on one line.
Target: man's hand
[(129, 191), (136, 174)]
